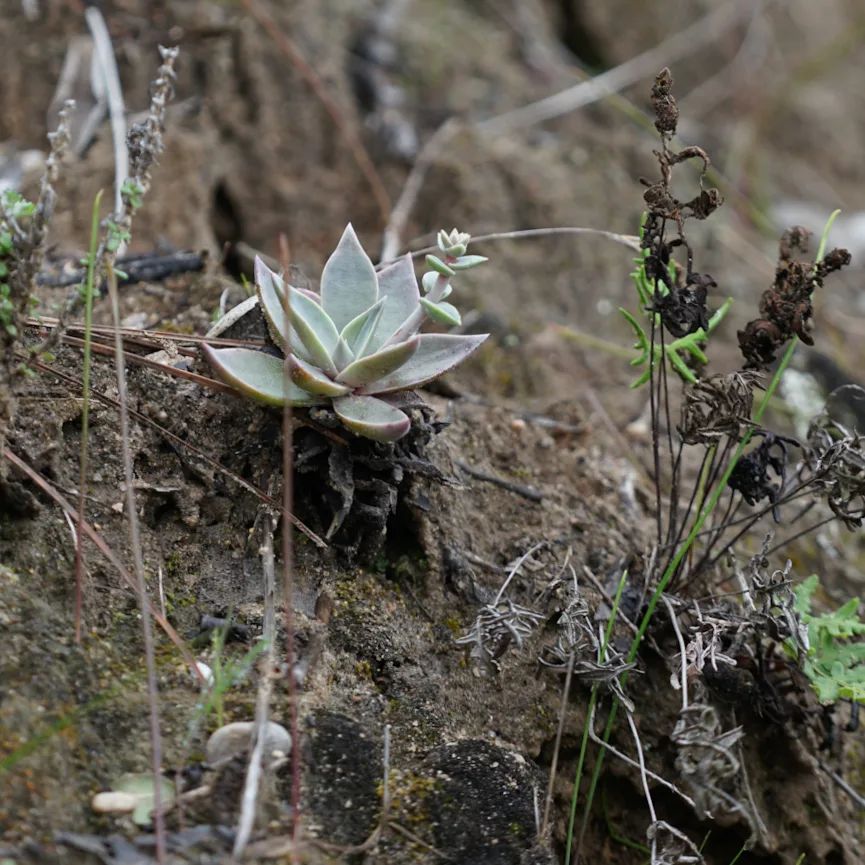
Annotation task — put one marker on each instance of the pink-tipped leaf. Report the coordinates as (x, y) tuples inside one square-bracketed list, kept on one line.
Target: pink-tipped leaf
[(436, 354), (258, 375), (311, 379), (359, 331), (315, 329), (373, 367), (349, 285), (398, 286), (372, 418)]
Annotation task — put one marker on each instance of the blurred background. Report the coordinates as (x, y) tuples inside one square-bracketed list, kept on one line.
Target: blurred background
[(297, 117)]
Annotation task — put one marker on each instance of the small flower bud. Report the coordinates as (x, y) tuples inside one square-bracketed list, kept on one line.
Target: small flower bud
[(453, 243)]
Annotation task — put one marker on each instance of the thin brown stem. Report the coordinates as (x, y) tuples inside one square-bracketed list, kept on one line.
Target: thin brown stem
[(800, 534), (288, 592), (138, 567)]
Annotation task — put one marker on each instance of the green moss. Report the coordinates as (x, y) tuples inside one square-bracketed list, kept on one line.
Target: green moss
[(363, 670), (174, 564), (453, 624), (410, 794)]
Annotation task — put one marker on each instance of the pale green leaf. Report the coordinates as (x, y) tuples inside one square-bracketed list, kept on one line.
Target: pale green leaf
[(466, 262), (369, 369), (315, 329), (349, 285), (141, 785), (311, 379), (439, 266), (359, 331), (257, 375), (436, 354), (443, 313), (398, 286), (372, 418)]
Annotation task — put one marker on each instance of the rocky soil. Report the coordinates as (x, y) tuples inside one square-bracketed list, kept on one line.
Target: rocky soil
[(252, 151)]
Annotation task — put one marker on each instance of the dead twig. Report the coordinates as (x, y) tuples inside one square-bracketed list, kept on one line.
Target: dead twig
[(293, 681), (520, 489), (683, 654), (396, 827), (107, 65), (249, 797), (609, 599), (144, 146), (14, 460), (138, 567), (631, 762), (653, 832), (628, 240), (392, 238), (682, 44), (855, 795), (146, 267), (548, 802)]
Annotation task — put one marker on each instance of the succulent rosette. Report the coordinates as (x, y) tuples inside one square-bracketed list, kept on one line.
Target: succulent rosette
[(357, 341)]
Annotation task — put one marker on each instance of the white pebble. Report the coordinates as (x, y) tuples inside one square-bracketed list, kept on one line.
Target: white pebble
[(234, 739), (114, 802), (206, 673)]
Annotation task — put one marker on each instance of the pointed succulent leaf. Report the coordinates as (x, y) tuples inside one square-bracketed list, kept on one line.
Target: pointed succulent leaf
[(308, 292), (439, 266), (296, 345), (382, 363), (348, 282), (271, 293), (397, 284), (436, 354), (257, 375), (342, 354), (311, 379), (443, 313), (315, 328), (372, 418), (270, 288), (465, 262), (358, 332)]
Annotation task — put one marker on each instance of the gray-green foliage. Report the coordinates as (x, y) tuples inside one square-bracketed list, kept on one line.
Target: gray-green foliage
[(357, 341)]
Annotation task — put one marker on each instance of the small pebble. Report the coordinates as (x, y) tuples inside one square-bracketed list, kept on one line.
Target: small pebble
[(114, 802), (233, 739), (206, 674)]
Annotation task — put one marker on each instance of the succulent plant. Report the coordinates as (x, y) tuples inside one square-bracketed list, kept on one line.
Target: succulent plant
[(356, 342)]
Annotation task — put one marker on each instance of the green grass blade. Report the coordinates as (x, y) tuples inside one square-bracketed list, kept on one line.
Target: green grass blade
[(590, 713), (85, 412)]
